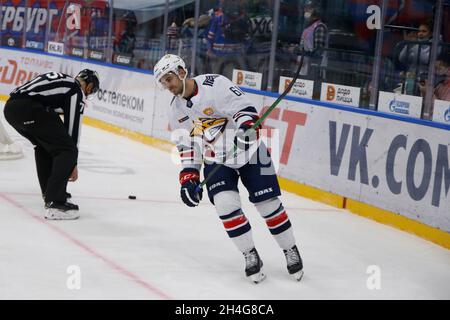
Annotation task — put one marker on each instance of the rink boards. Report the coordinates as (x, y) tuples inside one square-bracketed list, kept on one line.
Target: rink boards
[(394, 170)]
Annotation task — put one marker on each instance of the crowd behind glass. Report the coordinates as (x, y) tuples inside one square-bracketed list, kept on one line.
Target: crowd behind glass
[(263, 36)]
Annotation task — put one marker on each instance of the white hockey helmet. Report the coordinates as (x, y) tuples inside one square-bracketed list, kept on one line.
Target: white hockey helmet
[(168, 63)]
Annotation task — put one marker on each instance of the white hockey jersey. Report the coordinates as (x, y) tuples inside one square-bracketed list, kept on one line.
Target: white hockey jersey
[(204, 127)]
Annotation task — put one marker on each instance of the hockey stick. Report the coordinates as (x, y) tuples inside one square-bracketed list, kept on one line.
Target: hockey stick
[(255, 125)]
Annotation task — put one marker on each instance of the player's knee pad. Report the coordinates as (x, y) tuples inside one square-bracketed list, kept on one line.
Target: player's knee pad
[(228, 207), (276, 217), (227, 202), (268, 207)]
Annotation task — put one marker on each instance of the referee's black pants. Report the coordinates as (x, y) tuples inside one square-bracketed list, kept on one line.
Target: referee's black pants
[(55, 152)]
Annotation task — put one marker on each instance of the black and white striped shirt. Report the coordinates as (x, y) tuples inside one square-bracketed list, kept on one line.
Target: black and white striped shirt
[(60, 92)]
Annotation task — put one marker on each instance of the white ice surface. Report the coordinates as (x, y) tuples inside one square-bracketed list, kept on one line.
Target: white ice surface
[(157, 248)]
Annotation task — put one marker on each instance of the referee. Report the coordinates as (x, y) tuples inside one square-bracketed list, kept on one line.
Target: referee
[(33, 110)]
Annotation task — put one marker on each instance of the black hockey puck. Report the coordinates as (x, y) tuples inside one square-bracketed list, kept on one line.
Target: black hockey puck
[(132, 197)]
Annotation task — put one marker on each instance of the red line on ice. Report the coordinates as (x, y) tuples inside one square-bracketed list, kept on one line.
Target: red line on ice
[(88, 249)]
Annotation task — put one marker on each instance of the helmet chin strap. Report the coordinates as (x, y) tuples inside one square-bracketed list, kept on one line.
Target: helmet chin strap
[(184, 87), (184, 84)]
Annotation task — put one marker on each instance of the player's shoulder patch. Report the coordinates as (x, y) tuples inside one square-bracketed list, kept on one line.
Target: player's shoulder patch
[(209, 79)]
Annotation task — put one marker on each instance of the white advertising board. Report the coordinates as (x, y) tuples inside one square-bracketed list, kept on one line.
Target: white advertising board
[(247, 79), (301, 88), (17, 67), (441, 111), (125, 98), (339, 94), (400, 104), (55, 47), (395, 165)]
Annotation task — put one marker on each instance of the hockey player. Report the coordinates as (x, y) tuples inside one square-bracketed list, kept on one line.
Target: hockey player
[(206, 108), (33, 110)]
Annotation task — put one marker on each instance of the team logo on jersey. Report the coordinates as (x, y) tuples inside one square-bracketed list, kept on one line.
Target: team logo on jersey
[(208, 111), (209, 128)]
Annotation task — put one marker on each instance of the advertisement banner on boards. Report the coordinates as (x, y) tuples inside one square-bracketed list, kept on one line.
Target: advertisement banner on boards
[(301, 88), (247, 79), (339, 94), (400, 104), (395, 165), (18, 67), (122, 59), (77, 52), (441, 111), (125, 98), (34, 45), (55, 47)]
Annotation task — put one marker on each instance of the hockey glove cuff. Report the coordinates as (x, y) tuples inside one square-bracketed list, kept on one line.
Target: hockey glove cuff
[(190, 180)]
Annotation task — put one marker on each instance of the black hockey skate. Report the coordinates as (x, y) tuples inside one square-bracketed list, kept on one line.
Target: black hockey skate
[(294, 262), (61, 211), (253, 266)]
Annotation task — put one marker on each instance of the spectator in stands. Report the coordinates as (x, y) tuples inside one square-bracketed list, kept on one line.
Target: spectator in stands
[(127, 39), (189, 24), (173, 31), (415, 58), (228, 34), (313, 43), (187, 33), (442, 78)]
